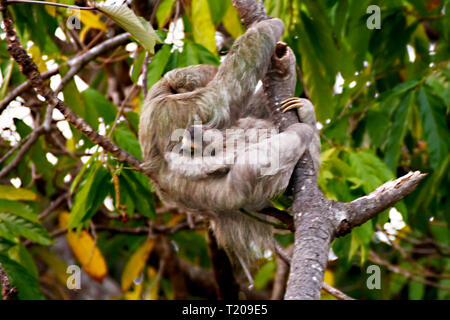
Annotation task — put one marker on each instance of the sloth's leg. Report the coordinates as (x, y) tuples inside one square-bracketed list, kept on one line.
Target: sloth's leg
[(306, 114)]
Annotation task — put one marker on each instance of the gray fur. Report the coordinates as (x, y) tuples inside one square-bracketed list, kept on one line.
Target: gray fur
[(223, 98)]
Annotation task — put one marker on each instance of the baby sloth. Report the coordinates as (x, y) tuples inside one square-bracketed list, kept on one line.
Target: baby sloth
[(210, 145)]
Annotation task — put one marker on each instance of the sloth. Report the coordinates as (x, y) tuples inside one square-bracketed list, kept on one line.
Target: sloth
[(209, 143)]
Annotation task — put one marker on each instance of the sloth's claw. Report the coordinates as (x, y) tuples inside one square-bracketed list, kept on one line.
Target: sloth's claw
[(293, 103), (304, 107)]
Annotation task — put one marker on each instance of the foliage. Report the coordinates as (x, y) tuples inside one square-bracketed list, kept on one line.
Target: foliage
[(382, 97)]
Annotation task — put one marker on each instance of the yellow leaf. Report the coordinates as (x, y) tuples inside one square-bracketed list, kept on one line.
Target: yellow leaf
[(85, 250), (91, 20), (134, 294), (202, 25), (35, 53), (83, 33), (14, 194), (152, 293), (329, 277), (51, 9), (136, 264), (232, 22), (175, 219)]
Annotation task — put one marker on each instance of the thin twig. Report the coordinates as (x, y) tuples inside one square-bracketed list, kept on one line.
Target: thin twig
[(23, 150), (54, 4)]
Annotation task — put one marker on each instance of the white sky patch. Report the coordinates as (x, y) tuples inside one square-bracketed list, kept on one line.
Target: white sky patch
[(14, 110), (55, 81), (51, 158), (366, 64), (16, 182), (339, 84), (352, 84), (80, 143), (331, 255), (319, 126), (176, 35), (102, 128), (268, 254), (67, 178), (85, 159), (57, 115), (432, 49), (59, 33), (29, 44), (64, 127), (108, 202), (411, 53), (51, 64), (81, 85), (131, 47)]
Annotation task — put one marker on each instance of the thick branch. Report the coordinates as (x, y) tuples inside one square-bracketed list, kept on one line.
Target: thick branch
[(317, 220), (385, 196)]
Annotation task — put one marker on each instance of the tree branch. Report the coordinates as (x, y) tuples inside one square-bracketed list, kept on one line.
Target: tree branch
[(75, 65), (30, 70), (317, 220)]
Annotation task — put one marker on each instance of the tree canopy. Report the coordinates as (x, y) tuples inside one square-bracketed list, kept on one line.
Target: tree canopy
[(377, 72)]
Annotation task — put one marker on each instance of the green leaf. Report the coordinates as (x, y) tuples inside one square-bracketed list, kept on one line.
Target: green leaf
[(72, 99), (139, 191), (193, 247), (264, 275), (141, 29), (18, 209), (416, 290), (6, 78), (370, 169), (137, 66), (157, 66), (164, 12), (26, 283), (90, 195), (401, 121), (94, 100), (205, 56), (435, 128), (189, 56), (127, 140), (202, 24), (14, 194), (21, 255), (18, 226)]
